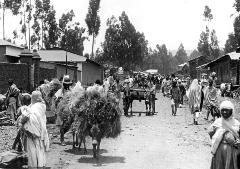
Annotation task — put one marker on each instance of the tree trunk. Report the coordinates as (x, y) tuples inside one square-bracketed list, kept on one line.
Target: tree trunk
[(38, 42), (42, 33), (3, 22), (24, 18), (93, 45), (29, 29)]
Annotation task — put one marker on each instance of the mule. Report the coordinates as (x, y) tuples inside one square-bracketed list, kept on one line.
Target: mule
[(80, 133), (84, 130), (96, 135)]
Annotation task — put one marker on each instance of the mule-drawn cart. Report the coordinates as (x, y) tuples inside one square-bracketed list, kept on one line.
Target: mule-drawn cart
[(140, 94)]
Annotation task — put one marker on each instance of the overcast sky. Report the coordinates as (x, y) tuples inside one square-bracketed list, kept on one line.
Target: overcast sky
[(169, 22)]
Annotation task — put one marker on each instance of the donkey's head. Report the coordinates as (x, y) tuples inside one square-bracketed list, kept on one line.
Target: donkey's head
[(95, 132)]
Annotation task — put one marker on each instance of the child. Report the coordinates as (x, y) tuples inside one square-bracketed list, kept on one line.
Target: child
[(147, 102), (26, 101), (175, 97)]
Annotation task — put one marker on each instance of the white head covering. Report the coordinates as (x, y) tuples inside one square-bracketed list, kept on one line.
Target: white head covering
[(194, 85), (36, 97), (226, 105)]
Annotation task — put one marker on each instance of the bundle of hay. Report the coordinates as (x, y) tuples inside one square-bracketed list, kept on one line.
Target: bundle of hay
[(91, 106), (65, 106), (102, 108), (48, 90)]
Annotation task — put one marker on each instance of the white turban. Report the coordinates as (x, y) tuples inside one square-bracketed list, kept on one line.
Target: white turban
[(226, 105)]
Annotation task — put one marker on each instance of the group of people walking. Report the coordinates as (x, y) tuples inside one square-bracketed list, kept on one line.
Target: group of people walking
[(198, 93), (225, 129), (29, 113)]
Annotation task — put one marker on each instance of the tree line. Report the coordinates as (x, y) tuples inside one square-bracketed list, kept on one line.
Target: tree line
[(123, 46), (40, 29), (126, 47)]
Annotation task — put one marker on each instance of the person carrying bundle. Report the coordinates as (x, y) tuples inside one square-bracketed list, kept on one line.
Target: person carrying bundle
[(64, 120), (33, 122), (20, 139)]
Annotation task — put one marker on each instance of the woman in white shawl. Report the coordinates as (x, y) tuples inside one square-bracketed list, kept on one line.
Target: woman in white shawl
[(34, 123), (194, 97), (224, 133)]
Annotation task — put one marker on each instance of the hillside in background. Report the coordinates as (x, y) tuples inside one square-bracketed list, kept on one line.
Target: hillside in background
[(175, 51)]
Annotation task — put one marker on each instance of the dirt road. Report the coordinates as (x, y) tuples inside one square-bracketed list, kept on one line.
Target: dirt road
[(146, 142)]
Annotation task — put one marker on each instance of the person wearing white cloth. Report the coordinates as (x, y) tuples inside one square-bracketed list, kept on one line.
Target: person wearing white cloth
[(34, 124), (224, 133), (106, 85)]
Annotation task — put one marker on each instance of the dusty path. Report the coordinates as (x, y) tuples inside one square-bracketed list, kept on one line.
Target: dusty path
[(146, 142)]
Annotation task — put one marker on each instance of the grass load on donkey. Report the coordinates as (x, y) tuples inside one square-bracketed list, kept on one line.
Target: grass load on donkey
[(94, 107)]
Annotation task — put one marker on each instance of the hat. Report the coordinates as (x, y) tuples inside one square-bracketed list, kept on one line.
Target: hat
[(127, 81), (66, 80), (213, 74), (36, 97), (226, 105)]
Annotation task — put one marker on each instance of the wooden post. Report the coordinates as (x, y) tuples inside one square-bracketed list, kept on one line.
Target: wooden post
[(26, 56), (238, 71), (3, 21), (66, 63)]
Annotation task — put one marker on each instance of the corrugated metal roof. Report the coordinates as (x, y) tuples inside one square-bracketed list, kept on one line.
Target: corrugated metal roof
[(202, 66), (6, 43), (234, 55), (181, 65), (195, 58), (60, 56)]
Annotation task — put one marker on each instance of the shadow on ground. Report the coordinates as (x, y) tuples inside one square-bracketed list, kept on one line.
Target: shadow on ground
[(134, 113), (66, 142), (102, 160), (76, 151)]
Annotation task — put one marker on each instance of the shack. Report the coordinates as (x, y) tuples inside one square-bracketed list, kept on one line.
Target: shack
[(196, 62), (226, 68), (183, 70)]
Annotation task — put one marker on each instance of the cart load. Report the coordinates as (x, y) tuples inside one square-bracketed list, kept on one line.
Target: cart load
[(97, 110)]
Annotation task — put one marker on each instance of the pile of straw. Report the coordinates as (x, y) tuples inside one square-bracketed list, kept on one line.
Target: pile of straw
[(95, 107)]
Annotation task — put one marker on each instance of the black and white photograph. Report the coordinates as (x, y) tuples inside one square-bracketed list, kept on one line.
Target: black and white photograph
[(119, 84)]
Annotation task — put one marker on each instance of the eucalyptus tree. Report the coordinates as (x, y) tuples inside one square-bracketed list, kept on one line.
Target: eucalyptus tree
[(71, 34), (208, 42), (93, 20)]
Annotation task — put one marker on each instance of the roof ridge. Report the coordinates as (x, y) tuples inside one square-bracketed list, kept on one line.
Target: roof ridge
[(7, 43)]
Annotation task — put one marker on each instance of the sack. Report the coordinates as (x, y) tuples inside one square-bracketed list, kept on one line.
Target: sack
[(12, 158)]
